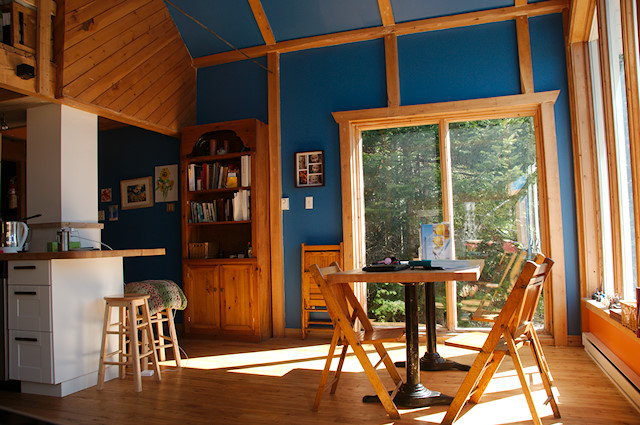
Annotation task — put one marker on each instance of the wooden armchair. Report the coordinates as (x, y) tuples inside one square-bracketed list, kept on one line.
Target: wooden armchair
[(512, 329), (344, 309)]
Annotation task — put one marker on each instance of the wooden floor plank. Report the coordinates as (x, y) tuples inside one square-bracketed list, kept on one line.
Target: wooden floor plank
[(275, 382)]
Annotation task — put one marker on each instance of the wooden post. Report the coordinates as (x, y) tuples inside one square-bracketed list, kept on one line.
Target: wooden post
[(275, 192), (393, 74)]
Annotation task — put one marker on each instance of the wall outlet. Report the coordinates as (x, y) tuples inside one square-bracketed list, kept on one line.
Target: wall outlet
[(284, 204), (308, 202)]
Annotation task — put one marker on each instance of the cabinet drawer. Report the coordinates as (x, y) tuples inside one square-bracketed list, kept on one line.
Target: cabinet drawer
[(30, 356), (29, 307), (29, 272)]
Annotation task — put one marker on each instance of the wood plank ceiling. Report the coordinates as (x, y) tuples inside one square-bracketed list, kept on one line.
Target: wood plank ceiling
[(127, 57)]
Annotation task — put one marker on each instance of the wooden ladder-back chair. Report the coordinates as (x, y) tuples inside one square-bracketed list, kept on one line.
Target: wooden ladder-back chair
[(344, 309), (512, 329)]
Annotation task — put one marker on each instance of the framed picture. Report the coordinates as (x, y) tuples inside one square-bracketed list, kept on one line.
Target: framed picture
[(105, 195), (136, 193), (309, 169), (166, 183), (113, 213)]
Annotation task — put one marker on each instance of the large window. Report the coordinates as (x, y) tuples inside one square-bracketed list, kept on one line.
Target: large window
[(492, 167), (613, 149)]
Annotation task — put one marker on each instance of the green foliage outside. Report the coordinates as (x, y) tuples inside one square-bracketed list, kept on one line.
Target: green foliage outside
[(494, 180)]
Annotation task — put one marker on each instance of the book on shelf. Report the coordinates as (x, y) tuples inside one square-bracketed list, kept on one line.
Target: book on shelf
[(242, 205), (245, 170)]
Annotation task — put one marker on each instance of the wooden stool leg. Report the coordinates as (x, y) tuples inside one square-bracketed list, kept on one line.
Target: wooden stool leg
[(103, 347), (122, 342), (174, 337), (147, 328), (134, 347), (160, 336), (144, 347)]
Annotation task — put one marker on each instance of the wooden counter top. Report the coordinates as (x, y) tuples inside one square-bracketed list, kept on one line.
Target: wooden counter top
[(81, 254)]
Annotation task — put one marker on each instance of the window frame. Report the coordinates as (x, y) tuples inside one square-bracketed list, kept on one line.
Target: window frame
[(540, 106)]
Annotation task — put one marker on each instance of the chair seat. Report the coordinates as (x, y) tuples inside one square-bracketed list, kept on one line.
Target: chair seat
[(380, 335), (163, 294), (485, 316), (473, 341)]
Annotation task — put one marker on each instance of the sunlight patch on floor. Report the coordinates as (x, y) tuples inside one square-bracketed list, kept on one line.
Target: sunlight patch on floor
[(281, 362)]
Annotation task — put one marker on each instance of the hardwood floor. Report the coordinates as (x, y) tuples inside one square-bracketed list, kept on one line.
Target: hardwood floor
[(274, 382)]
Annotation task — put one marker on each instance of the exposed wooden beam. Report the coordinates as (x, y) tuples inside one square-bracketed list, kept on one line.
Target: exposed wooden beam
[(386, 12), (524, 54), (262, 21), (393, 73), (581, 16), (43, 46), (275, 193), (404, 28)]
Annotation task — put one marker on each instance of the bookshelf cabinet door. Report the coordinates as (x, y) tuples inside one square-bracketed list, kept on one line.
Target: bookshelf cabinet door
[(237, 315), (201, 289)]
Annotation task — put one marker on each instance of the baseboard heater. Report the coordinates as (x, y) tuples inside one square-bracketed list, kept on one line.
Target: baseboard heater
[(622, 376)]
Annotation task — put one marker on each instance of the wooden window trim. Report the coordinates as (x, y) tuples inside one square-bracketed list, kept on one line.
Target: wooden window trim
[(540, 106)]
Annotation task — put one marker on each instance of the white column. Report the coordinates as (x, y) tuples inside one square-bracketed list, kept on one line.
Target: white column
[(62, 171)]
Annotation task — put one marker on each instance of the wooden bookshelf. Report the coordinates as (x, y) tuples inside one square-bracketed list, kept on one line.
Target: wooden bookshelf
[(228, 290)]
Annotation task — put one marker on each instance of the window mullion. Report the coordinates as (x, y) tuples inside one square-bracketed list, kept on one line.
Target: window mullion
[(609, 129), (633, 110), (447, 213)]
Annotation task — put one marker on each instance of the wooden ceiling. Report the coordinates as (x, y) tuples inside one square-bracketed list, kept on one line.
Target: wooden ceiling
[(123, 60), (128, 58)]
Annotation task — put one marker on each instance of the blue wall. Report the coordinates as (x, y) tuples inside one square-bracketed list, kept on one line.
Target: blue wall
[(129, 153), (462, 63)]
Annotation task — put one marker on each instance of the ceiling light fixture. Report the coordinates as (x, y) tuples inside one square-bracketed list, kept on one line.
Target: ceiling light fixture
[(3, 124)]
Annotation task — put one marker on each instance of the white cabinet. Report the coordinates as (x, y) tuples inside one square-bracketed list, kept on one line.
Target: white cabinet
[(55, 314)]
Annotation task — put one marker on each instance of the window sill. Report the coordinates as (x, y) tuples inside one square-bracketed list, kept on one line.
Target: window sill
[(599, 309)]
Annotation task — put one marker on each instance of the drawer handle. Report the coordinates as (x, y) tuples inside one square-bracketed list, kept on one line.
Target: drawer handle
[(25, 293), (20, 338), (24, 267)]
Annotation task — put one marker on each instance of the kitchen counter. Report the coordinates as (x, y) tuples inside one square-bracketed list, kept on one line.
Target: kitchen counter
[(31, 256), (55, 311)]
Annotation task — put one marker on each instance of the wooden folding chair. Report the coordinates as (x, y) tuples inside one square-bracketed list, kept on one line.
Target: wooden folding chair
[(512, 329), (489, 313), (344, 309)]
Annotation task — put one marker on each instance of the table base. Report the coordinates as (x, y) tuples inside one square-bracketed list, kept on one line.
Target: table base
[(432, 362), (413, 396)]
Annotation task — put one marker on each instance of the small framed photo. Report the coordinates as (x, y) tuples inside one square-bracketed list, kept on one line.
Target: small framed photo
[(136, 193), (113, 213), (105, 195), (309, 169)]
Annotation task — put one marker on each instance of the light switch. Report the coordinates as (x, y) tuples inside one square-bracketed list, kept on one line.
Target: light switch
[(308, 202), (284, 204)]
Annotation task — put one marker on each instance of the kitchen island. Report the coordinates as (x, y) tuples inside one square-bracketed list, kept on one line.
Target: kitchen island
[(55, 309)]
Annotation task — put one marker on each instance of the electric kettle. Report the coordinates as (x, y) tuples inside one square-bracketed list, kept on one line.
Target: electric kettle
[(13, 235)]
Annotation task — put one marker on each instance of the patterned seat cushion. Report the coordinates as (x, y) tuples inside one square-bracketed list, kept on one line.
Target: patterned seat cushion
[(162, 294)]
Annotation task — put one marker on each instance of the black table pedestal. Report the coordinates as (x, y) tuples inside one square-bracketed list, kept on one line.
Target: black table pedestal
[(431, 361)]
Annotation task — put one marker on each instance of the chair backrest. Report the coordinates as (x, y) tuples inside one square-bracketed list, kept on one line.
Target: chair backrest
[(342, 304), (521, 305)]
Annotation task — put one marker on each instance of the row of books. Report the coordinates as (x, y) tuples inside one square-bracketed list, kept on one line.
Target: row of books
[(237, 208), (217, 175)]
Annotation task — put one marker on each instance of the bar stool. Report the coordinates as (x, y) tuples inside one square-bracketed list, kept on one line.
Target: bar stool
[(165, 296), (130, 322)]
